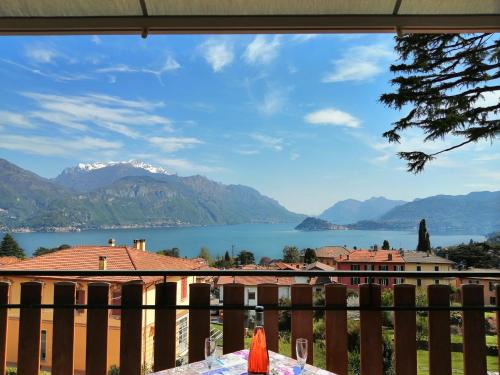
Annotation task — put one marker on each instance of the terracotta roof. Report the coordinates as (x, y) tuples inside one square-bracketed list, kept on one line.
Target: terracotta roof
[(472, 269), (356, 256), (319, 266), (331, 251), (118, 258), (287, 266), (255, 280), (8, 260), (424, 257)]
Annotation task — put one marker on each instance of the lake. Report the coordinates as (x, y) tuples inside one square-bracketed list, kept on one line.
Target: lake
[(262, 239)]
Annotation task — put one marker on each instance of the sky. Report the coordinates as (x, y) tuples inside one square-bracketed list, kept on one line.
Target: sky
[(296, 117)]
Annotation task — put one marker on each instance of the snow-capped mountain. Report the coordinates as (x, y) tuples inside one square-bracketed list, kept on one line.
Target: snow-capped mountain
[(86, 177)]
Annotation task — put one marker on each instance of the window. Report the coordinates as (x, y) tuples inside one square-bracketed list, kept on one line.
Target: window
[(116, 299), (183, 334), (436, 281), (491, 286), (470, 281), (354, 267), (367, 280), (383, 268), (419, 282), (436, 268), (384, 281), (251, 295), (184, 288), (43, 346), (419, 268), (399, 280), (355, 281), (493, 301), (399, 268), (80, 299)]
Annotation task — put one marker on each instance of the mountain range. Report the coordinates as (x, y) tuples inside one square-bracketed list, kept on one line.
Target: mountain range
[(127, 194)]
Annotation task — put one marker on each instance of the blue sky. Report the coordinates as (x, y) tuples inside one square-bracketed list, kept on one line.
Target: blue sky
[(296, 117)]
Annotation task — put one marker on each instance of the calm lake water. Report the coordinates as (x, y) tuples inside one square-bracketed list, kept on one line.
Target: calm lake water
[(261, 239)]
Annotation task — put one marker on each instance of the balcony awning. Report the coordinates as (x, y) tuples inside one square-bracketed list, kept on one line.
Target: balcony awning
[(25, 17)]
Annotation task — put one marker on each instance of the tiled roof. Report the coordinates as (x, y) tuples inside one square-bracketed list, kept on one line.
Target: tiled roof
[(255, 280), (465, 276), (8, 260), (371, 256), (287, 266), (319, 266), (424, 257), (331, 251), (118, 258)]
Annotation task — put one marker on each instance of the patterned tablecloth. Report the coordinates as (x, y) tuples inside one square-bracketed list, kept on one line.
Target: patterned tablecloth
[(236, 364)]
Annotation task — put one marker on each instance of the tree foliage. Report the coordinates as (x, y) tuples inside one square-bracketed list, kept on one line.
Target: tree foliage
[(265, 261), (173, 252), (424, 242), (205, 254), (450, 84), (291, 254), (385, 245), (245, 257), (46, 250), (474, 254), (10, 248), (309, 255)]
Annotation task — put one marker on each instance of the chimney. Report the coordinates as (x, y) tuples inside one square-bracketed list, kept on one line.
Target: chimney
[(140, 244), (347, 256), (111, 242), (389, 256), (103, 263)]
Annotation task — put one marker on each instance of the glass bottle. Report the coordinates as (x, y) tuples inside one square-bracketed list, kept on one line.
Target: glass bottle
[(258, 357)]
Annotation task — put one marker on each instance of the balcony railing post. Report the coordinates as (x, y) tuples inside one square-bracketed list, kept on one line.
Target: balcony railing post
[(64, 329), (497, 300), (473, 330), (267, 294), (165, 326), (199, 321), (302, 320), (4, 299), (405, 330), (234, 320), (439, 330), (30, 320), (370, 330), (131, 328), (336, 329), (96, 358)]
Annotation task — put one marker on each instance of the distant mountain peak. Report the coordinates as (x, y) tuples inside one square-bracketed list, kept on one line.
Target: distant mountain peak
[(87, 167)]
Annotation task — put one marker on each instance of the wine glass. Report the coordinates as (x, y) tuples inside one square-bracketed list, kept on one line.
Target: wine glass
[(301, 352), (209, 352)]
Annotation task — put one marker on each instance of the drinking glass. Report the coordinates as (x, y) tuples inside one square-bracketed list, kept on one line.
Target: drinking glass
[(209, 352), (301, 352)]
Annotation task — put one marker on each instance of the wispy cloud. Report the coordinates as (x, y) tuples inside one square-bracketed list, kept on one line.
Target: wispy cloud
[(294, 156), (218, 53), (262, 50), (173, 144), (274, 100), (41, 54), (247, 152), (187, 166), (14, 119), (61, 76), (301, 38), (96, 39), (332, 117), (170, 65), (360, 63), (273, 143)]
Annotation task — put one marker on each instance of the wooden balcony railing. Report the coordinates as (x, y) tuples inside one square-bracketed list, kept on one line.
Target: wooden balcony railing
[(335, 313)]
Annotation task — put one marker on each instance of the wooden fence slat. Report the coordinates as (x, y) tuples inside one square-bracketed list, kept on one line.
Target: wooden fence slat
[(199, 321), (405, 331), (4, 299), (30, 319), (96, 361), (473, 330), (439, 331), (267, 294), (370, 330), (64, 329), (302, 320), (165, 326), (497, 299), (336, 329), (234, 320), (131, 328)]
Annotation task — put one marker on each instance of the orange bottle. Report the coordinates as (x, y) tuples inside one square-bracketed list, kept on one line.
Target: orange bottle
[(258, 357)]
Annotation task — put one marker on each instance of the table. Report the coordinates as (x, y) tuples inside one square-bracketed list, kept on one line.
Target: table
[(236, 364)]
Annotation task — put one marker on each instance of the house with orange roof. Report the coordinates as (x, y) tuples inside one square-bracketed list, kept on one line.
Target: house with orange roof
[(8, 260), (329, 254), (99, 258)]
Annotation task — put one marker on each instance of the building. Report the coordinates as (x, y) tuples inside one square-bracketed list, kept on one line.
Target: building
[(419, 261), (99, 258), (489, 283), (329, 254), (370, 260), (318, 283)]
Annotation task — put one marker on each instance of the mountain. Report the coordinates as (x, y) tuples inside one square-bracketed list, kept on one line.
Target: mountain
[(351, 211), (88, 177), (311, 224), (477, 212), (127, 194)]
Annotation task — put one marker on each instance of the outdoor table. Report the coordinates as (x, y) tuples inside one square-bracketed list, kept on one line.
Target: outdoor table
[(236, 364)]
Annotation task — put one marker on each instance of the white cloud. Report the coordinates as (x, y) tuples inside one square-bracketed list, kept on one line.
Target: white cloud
[(332, 117), (170, 65), (187, 166), (60, 76), (294, 156), (301, 38), (41, 54), (262, 49), (267, 141), (218, 53), (273, 102), (360, 63), (96, 39), (247, 152), (173, 144), (487, 157), (52, 146), (14, 119)]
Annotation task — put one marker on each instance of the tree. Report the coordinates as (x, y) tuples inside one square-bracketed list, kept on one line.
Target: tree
[(245, 257), (205, 254), (173, 252), (448, 81), (44, 250), (385, 245), (309, 256), (10, 248), (227, 258), (424, 242), (265, 261), (291, 254)]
